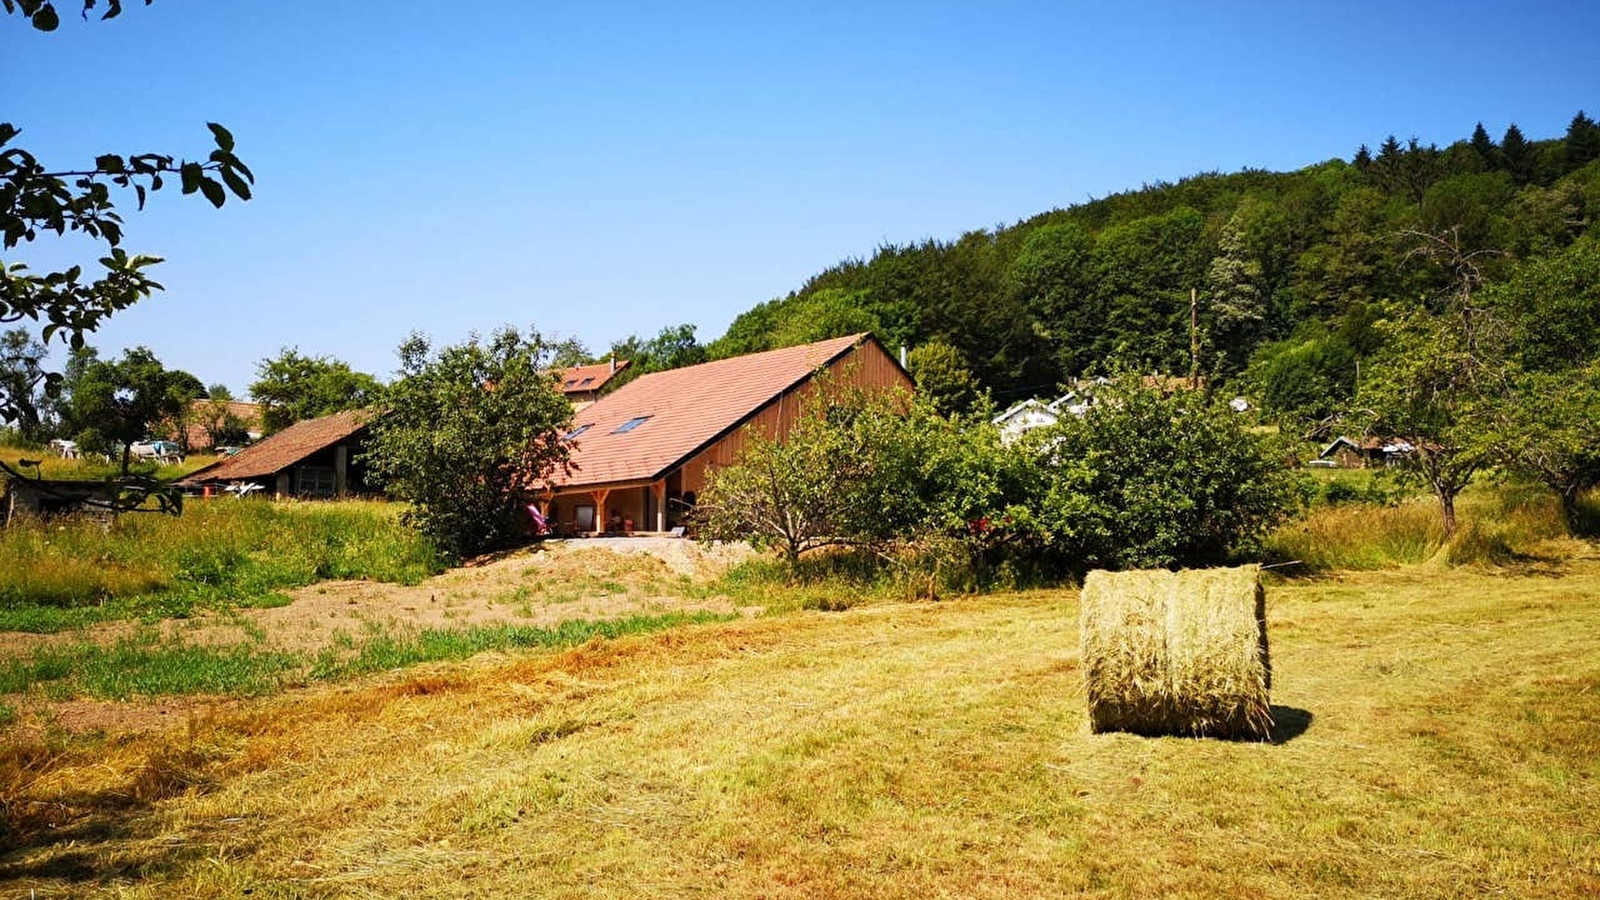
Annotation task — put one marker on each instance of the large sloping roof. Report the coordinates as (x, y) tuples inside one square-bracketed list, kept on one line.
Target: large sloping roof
[(684, 410), (284, 449)]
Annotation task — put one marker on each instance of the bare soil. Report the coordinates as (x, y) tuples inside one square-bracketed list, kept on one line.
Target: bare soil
[(543, 586)]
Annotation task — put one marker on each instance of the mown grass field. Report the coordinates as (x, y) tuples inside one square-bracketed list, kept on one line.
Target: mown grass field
[(1438, 738)]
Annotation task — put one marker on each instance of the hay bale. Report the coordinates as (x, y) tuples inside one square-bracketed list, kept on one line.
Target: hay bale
[(1177, 652)]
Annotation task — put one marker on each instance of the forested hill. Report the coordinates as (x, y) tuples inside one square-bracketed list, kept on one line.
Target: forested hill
[(1291, 268)]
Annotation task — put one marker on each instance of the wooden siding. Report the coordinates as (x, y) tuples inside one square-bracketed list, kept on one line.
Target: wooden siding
[(868, 366)]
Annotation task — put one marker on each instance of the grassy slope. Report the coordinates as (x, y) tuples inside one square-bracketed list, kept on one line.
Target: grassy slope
[(930, 750)]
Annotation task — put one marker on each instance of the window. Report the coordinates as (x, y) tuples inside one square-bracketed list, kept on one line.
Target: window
[(586, 382), (630, 425), (579, 430), (315, 481), (570, 382)]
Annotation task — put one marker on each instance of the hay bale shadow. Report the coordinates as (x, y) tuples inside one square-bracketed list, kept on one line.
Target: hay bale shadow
[(1289, 722)]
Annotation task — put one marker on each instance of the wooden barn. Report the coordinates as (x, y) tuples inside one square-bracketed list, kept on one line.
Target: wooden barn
[(313, 458), (640, 455)]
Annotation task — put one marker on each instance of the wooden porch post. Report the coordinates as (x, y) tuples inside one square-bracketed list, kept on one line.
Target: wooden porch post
[(659, 489), (600, 508)]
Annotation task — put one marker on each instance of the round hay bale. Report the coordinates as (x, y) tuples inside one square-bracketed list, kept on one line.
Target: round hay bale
[(1181, 653)]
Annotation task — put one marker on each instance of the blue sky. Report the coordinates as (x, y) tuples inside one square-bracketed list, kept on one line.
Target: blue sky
[(598, 170)]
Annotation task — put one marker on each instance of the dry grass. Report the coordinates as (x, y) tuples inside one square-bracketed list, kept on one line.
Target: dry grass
[(1177, 652), (1436, 739)]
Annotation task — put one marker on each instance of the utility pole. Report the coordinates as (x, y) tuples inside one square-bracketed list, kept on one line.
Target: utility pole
[(1194, 340)]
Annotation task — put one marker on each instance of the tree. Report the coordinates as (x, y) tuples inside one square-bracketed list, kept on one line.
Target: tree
[(1517, 154), (118, 403), (468, 435), (1438, 380), (1550, 433), (943, 377), (26, 389), (35, 199), (1484, 146), (673, 348), (292, 387), (217, 419), (1145, 479), (1582, 142), (859, 469)]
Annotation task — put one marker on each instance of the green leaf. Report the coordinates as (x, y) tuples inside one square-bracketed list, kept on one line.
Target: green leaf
[(213, 191), (46, 19), (192, 176), (236, 184), (224, 137)]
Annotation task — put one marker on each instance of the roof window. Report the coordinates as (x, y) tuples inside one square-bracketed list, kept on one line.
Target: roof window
[(586, 382), (630, 425), (579, 430)]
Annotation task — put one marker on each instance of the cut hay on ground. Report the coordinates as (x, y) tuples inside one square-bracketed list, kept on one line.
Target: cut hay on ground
[(1177, 652)]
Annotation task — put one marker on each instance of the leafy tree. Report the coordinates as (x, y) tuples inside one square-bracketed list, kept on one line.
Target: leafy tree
[(1145, 479), (119, 403), (860, 469), (1305, 379), (1552, 306), (216, 416), (26, 389), (1550, 432), (569, 352), (467, 436), (292, 387), (673, 348), (943, 378), (1438, 381), (35, 198)]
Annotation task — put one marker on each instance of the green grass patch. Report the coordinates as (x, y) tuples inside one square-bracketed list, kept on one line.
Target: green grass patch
[(145, 666), (61, 574), (391, 651)]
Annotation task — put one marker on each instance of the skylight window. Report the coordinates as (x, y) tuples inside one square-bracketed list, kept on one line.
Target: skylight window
[(579, 430), (570, 382), (586, 382), (630, 425)]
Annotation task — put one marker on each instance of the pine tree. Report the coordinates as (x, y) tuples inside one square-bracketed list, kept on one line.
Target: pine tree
[(1485, 148), (1582, 143), (1518, 155)]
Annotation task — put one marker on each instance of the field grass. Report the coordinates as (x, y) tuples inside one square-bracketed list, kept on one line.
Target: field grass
[(1436, 738), (1497, 525), (225, 552)]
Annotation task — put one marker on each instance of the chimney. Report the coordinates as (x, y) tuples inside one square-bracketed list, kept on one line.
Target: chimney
[(613, 364), (902, 356)]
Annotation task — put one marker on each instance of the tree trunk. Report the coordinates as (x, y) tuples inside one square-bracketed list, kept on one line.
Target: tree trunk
[(1447, 508), (1569, 510)]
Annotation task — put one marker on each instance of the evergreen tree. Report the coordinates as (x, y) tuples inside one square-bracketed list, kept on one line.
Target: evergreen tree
[(1518, 155), (1582, 143), (1485, 147)]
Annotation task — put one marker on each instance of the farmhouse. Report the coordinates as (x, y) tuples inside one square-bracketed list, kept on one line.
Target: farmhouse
[(640, 454), (582, 384), (313, 458)]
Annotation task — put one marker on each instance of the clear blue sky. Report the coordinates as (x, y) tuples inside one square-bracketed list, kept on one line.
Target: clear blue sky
[(597, 170)]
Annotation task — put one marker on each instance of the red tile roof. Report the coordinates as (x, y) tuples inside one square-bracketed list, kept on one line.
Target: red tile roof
[(684, 410), (583, 379), (248, 414), (284, 449)]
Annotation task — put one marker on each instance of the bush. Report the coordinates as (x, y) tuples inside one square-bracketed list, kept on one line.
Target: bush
[(1144, 480)]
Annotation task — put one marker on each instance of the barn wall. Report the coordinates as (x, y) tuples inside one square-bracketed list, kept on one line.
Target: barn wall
[(868, 366)]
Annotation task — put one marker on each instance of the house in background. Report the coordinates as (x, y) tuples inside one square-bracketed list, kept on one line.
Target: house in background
[(582, 384), (1027, 415), (197, 434), (1349, 453), (312, 458), (641, 453)]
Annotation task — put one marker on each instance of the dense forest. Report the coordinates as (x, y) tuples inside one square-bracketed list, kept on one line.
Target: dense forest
[(1291, 271)]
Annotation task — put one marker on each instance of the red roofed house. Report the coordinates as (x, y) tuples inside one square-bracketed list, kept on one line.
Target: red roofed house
[(582, 384), (311, 458), (642, 451)]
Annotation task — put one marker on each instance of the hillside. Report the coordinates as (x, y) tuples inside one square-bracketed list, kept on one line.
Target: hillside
[(1289, 266)]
